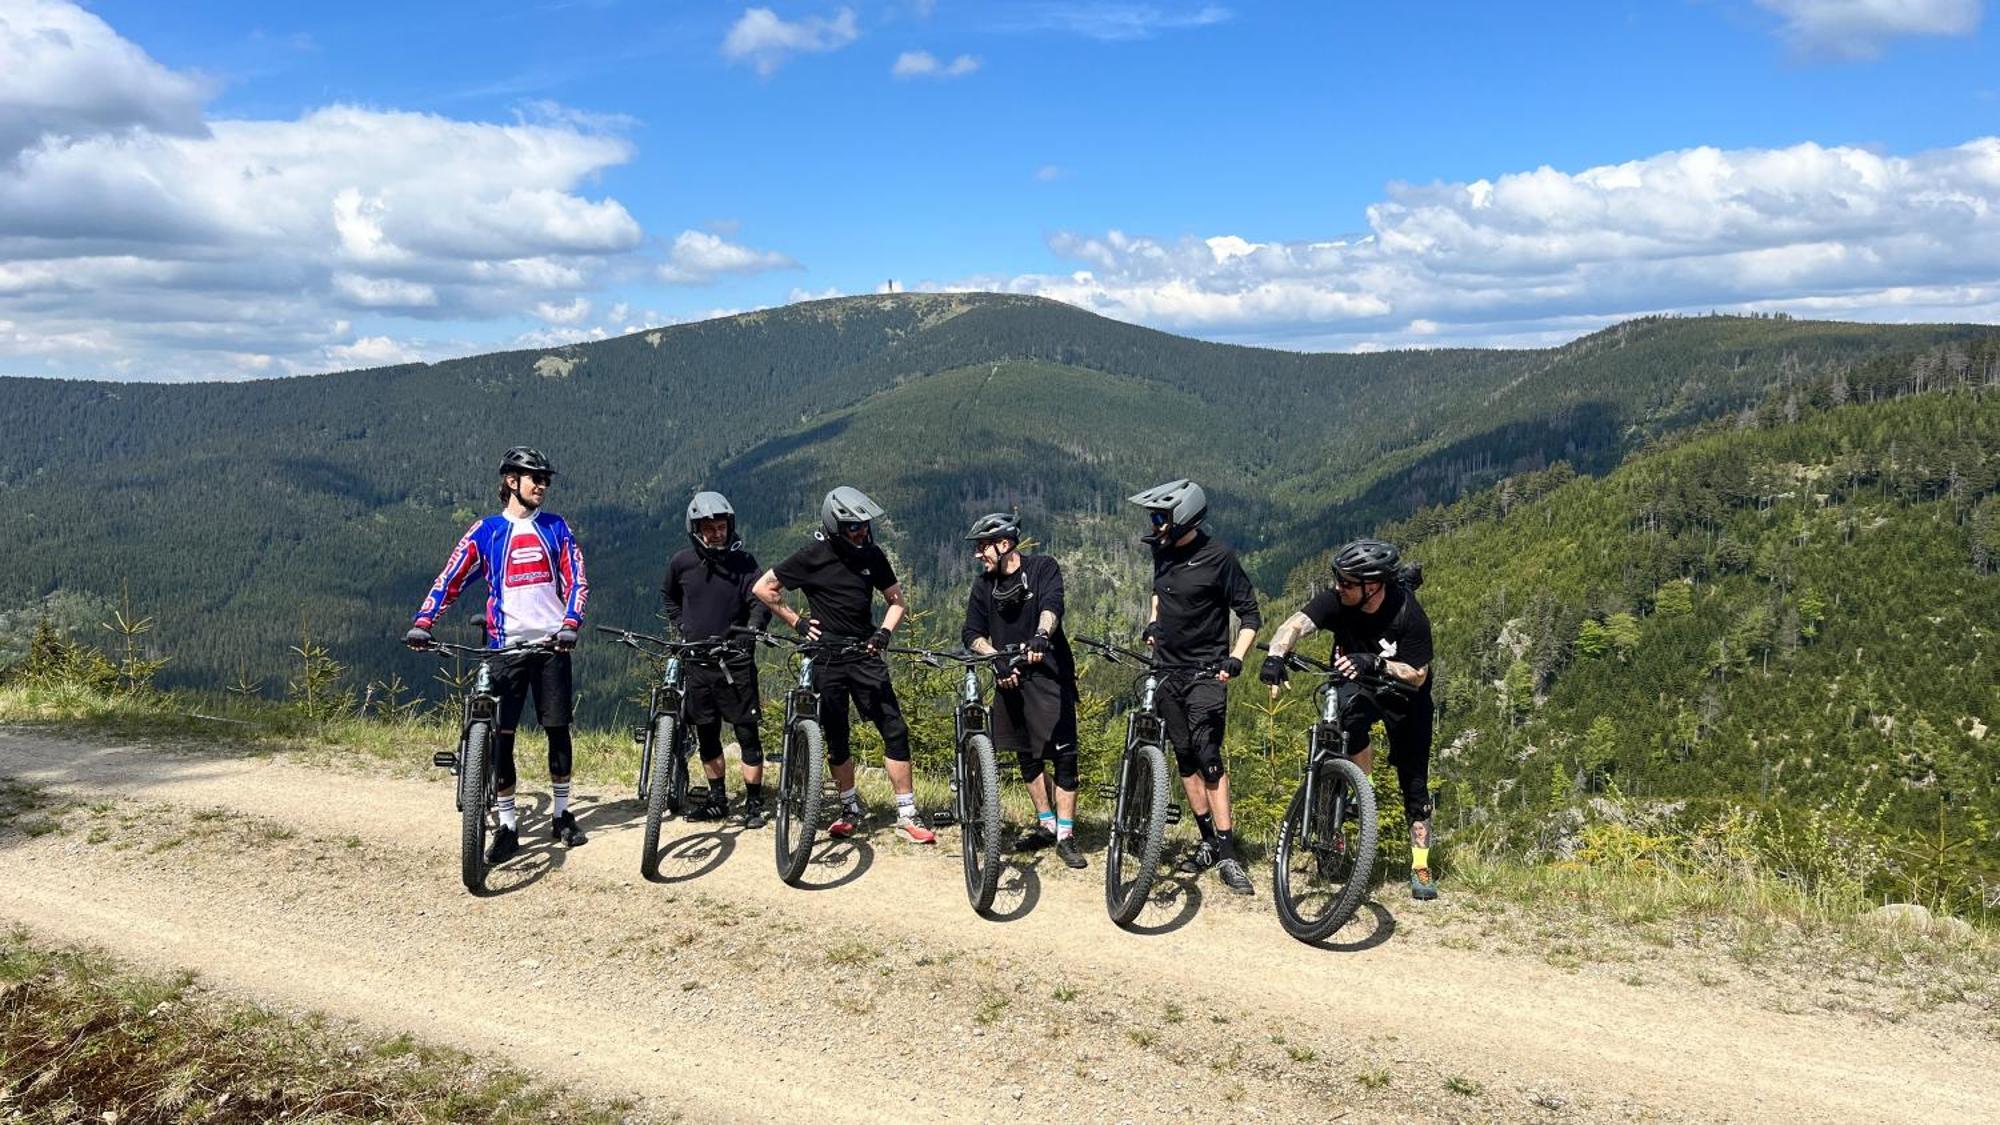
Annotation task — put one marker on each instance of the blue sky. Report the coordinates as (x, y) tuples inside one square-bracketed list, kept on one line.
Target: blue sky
[(229, 190)]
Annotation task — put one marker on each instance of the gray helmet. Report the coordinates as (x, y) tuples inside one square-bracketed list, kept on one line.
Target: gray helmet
[(847, 504), (1177, 506), (708, 505), (522, 459), (1367, 560), (996, 525)]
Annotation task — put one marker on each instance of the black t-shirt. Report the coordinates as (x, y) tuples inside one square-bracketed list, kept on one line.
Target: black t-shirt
[(705, 599), (1398, 630), (839, 585), (1198, 585), (1012, 620)]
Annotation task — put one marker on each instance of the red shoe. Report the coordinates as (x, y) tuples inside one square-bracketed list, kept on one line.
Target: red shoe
[(913, 832), (851, 817)]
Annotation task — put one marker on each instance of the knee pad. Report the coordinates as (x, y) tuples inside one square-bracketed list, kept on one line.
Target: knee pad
[(1212, 768), (1031, 767), (502, 751), (1066, 768), (895, 738), (708, 741), (751, 743), (560, 757)]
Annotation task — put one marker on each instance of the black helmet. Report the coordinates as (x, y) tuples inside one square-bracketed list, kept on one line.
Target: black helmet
[(522, 459), (1177, 507), (708, 505), (1367, 560), (846, 505), (996, 525)]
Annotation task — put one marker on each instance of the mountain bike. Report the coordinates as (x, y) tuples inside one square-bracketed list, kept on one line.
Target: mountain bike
[(1327, 840), (663, 741), (472, 762), (975, 776), (802, 752), (1143, 806)]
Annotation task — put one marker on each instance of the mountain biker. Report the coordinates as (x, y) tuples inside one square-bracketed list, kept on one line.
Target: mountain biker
[(840, 571), (707, 591), (1018, 600), (1197, 583), (535, 592), (1378, 629)]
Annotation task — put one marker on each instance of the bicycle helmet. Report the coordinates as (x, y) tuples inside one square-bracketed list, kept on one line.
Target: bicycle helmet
[(523, 459), (708, 505), (1367, 560), (1177, 507), (847, 505), (997, 525)]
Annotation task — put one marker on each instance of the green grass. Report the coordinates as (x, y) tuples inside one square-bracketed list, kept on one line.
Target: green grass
[(86, 1038)]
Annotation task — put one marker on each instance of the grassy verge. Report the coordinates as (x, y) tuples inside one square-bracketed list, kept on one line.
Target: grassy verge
[(83, 1037)]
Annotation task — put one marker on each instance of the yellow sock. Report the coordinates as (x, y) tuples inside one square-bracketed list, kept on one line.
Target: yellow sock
[(1420, 857)]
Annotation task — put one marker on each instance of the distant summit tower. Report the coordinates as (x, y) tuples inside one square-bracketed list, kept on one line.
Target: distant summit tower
[(889, 286)]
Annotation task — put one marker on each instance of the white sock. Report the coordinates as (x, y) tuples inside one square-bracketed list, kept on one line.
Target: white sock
[(849, 797), (562, 796), (1065, 829), (906, 806), (508, 818), (1046, 820)]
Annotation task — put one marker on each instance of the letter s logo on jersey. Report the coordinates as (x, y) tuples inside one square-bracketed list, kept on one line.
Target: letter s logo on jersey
[(528, 562)]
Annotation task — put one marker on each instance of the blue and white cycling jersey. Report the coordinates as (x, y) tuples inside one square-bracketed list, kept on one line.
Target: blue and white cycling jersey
[(534, 578)]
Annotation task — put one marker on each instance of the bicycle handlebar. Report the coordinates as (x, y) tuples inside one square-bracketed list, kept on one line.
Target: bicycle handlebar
[(1300, 662), (1118, 654), (481, 652), (698, 650)]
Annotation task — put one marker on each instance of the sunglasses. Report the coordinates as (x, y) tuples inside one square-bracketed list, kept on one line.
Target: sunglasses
[(542, 479), (849, 528), (1348, 583), (1159, 518)]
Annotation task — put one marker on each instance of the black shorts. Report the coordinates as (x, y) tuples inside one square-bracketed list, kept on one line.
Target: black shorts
[(1411, 719), (712, 698), (546, 673), (865, 684), (1195, 711), (1036, 717)]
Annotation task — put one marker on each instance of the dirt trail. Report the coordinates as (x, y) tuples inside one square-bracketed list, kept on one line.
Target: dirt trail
[(725, 995)]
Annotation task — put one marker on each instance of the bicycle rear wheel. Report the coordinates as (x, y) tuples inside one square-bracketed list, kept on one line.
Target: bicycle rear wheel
[(1325, 853), (801, 780), (659, 790), (979, 820), (475, 800), (1138, 830)]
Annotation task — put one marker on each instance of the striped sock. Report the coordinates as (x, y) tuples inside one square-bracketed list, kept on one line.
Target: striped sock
[(562, 796), (906, 806), (1047, 820), (1065, 828), (508, 818)]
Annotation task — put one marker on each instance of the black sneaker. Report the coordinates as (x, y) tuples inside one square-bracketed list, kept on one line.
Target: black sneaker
[(505, 843), (1233, 876), (1198, 860), (565, 830), (1034, 839), (714, 807), (1066, 849), (754, 815)]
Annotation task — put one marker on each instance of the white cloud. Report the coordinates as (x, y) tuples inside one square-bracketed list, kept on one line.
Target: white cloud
[(1112, 21), (760, 38), (371, 351), (65, 73), (1809, 228), (572, 313), (698, 257), (1861, 28), (923, 64), (132, 228), (802, 294)]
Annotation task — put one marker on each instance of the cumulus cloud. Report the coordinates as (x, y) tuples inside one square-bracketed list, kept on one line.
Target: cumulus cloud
[(1861, 28), (132, 228), (923, 64), (1113, 21), (1819, 230), (65, 73), (371, 351), (766, 42), (698, 257)]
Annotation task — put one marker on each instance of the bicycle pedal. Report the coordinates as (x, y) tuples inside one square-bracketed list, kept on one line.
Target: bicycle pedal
[(943, 820), (773, 759), (1173, 814), (1108, 792), (445, 760), (638, 736)]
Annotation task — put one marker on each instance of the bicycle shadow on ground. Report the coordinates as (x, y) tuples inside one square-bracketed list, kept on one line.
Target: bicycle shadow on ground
[(540, 853), (691, 857), (1021, 885), (1167, 891), (847, 860), (1382, 927)]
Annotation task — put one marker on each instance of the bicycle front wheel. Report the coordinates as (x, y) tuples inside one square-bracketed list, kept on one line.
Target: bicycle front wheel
[(1138, 831), (1325, 853), (659, 790), (979, 820), (475, 800), (801, 780)]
